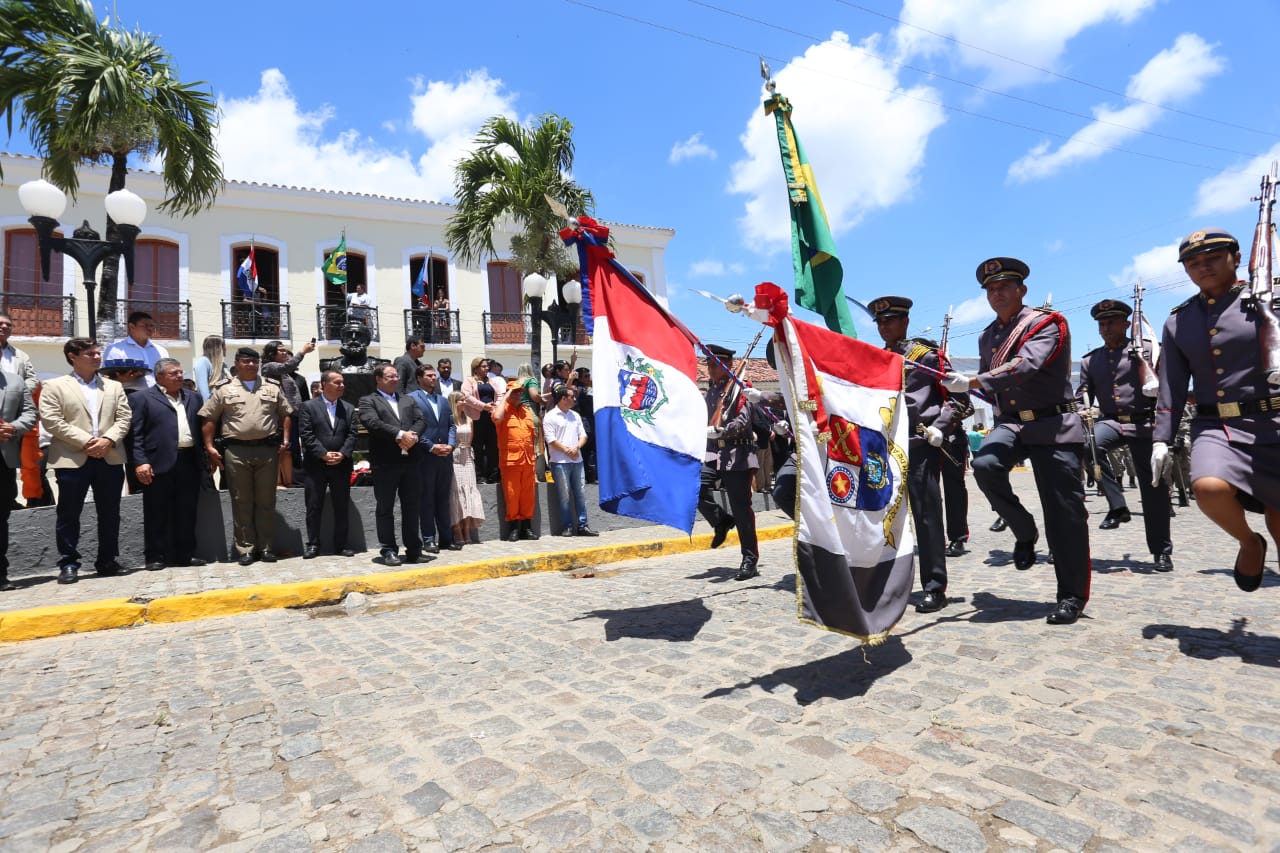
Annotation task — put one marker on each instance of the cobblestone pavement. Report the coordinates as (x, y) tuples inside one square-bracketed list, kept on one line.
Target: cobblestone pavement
[(661, 705)]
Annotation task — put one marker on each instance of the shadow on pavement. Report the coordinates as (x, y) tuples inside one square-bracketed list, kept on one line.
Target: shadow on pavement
[(1213, 643), (842, 676), (992, 608), (676, 622)]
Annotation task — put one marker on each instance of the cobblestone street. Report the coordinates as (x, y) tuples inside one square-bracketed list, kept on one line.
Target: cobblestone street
[(658, 704)]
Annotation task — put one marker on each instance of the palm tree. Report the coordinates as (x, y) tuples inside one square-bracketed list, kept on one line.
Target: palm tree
[(87, 92), (509, 177)]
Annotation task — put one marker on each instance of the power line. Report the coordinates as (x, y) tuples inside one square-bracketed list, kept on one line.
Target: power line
[(1052, 73)]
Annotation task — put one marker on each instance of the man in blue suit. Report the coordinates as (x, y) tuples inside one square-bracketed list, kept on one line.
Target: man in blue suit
[(327, 427), (435, 463), (166, 457)]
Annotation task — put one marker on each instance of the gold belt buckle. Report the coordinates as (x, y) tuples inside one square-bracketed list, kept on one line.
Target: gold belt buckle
[(1228, 410), (1026, 415), (720, 442)]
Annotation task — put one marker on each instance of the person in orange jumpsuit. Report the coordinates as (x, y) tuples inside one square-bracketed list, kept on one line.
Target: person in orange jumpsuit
[(34, 486), (517, 455)]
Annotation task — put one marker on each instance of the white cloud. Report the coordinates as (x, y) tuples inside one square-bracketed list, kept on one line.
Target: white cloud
[(715, 268), (972, 310), (1035, 32), (866, 145), (690, 149), (270, 138), (1174, 74), (1231, 189), (1054, 246), (1158, 267)]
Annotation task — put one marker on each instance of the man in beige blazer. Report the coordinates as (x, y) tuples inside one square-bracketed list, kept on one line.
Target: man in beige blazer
[(87, 417)]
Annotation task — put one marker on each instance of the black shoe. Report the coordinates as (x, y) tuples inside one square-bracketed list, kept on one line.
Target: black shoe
[(1049, 558), (1024, 554), (416, 557), (1114, 519), (1248, 583), (245, 560), (586, 531), (193, 561), (1064, 614), (111, 569), (1164, 563), (310, 552), (527, 531), (998, 525), (268, 557), (155, 566), (431, 548), (1183, 502), (568, 531), (932, 602), (6, 585), (722, 532), (956, 548), (346, 552), (69, 574), (1173, 513), (452, 546), (389, 558), (747, 570), (514, 534)]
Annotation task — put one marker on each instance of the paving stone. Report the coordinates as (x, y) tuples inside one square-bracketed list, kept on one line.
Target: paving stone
[(464, 829), (1052, 827), (484, 772), (1201, 814), (781, 832), (560, 828), (944, 829), (601, 754), (852, 831), (525, 801), (653, 775), (381, 842), (647, 820), (294, 748), (427, 799), (1131, 823), (1040, 787)]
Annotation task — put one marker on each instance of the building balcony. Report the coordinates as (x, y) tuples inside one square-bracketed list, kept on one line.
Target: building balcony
[(506, 329), (173, 319), (438, 328), (255, 321), (331, 318), (40, 316)]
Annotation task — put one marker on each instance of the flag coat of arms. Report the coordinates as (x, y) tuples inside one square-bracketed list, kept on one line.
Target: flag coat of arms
[(335, 267), (247, 275), (650, 417), (854, 549)]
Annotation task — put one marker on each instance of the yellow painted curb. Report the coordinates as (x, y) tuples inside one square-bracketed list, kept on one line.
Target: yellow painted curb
[(41, 622)]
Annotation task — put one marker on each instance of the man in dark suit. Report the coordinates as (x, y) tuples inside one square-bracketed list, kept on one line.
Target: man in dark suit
[(327, 428), (17, 417), (435, 463), (166, 457), (407, 364), (394, 423)]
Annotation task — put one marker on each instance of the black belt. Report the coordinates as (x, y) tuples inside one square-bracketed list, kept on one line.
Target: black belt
[(1029, 415), (734, 442), (252, 442), (1240, 407), (1135, 418)]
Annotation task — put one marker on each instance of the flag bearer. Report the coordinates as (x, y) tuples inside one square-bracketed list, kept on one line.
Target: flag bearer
[(730, 461)]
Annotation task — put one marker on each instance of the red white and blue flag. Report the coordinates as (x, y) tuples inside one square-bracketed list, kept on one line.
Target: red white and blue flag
[(247, 275), (854, 549), (650, 418)]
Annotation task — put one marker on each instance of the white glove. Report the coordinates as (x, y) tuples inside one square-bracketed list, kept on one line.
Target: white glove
[(781, 428), (933, 435), (1152, 389), (1160, 462), (956, 382), (753, 395), (1093, 412), (1273, 378), (714, 432)]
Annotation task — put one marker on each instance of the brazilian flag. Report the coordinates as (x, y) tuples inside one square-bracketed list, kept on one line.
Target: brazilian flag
[(335, 268), (813, 251)]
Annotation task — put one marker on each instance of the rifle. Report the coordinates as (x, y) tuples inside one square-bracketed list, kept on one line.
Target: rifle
[(946, 331), (1147, 377), (1092, 444), (1261, 284), (718, 415)]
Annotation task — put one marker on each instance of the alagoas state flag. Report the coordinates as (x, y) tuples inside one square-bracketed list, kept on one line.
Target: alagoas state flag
[(854, 549)]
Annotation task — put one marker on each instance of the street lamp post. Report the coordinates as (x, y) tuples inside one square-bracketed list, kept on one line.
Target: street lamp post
[(561, 314), (45, 203)]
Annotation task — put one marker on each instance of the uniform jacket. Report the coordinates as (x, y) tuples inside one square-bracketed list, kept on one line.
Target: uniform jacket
[(246, 414), (1215, 342), (1037, 375), (154, 440), (318, 437), (438, 430), (384, 423), (1111, 377), (517, 433), (735, 449), (66, 418), (928, 403), (15, 408)]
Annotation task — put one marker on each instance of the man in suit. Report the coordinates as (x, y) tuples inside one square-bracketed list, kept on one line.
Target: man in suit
[(327, 425), (167, 460), (12, 359), (394, 423), (435, 463), (444, 372), (407, 364), (87, 418), (17, 417)]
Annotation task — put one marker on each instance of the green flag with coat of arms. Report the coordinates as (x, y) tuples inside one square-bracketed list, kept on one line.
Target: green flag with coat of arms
[(335, 267)]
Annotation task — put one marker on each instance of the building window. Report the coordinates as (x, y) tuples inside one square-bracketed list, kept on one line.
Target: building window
[(335, 295), (505, 295), (36, 305), (267, 260), (155, 286), (437, 279), (259, 316)]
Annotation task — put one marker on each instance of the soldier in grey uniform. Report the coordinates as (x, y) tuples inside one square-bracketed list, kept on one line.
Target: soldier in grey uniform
[(955, 491), (1025, 369), (931, 412), (730, 461), (1213, 340), (1111, 376)]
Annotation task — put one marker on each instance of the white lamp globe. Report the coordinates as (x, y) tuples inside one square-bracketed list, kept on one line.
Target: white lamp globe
[(41, 198), (572, 292), (534, 285), (126, 208)]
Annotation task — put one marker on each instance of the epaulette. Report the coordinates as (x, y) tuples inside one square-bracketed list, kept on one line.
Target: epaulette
[(273, 381), (1183, 304), (917, 348)]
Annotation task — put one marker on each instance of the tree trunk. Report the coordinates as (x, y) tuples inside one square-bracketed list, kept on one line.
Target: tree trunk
[(107, 327)]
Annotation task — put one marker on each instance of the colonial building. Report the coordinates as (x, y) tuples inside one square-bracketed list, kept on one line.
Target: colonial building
[(185, 274)]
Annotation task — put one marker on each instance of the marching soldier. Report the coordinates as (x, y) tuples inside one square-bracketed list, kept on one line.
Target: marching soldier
[(955, 492), (1025, 368), (730, 461), (1111, 375), (1213, 339), (931, 413)]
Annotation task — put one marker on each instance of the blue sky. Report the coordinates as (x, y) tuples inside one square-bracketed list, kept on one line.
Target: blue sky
[(942, 132)]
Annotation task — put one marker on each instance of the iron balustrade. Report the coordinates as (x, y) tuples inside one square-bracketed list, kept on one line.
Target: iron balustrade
[(40, 316), (433, 326), (507, 328), (255, 321), (331, 318), (173, 319)]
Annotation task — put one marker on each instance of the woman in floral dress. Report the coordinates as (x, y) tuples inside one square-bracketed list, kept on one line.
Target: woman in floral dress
[(468, 509)]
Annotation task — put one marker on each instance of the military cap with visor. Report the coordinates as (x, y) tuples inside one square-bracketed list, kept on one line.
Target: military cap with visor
[(890, 306), (1206, 240), (1110, 308), (1002, 269)]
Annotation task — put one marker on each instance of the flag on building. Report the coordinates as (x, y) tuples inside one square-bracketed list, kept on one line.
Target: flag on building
[(854, 549), (335, 268), (247, 275), (813, 251), (650, 418), (420, 283)]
